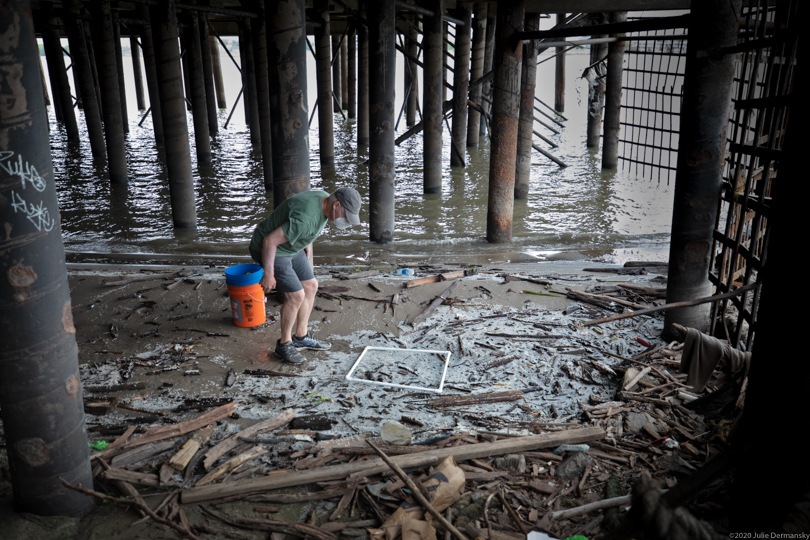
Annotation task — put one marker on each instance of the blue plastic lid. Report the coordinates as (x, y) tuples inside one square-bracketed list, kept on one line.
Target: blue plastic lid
[(243, 275)]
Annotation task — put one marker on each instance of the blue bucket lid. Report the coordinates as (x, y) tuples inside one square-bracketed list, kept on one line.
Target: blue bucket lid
[(243, 275)]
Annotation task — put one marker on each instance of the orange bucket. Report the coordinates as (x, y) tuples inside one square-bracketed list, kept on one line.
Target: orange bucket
[(247, 303)]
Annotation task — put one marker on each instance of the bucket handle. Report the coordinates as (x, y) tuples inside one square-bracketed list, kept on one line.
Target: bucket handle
[(257, 299)]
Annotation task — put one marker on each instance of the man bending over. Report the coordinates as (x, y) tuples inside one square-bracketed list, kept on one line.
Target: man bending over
[(282, 245)]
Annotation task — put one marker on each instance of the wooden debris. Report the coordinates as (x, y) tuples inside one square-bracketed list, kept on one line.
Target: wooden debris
[(233, 441), (166, 432), (231, 464), (433, 305), (182, 458), (283, 479), (476, 399)]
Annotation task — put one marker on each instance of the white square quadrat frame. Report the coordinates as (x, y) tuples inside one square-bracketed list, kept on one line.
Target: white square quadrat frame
[(442, 354)]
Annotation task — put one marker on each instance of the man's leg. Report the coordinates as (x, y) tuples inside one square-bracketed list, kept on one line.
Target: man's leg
[(287, 282), (290, 310), (302, 319)]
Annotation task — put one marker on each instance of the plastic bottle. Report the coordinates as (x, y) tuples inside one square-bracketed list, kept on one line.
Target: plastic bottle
[(404, 271)]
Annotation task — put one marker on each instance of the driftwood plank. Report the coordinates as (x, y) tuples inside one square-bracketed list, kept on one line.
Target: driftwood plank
[(435, 304), (166, 432), (283, 479), (233, 441)]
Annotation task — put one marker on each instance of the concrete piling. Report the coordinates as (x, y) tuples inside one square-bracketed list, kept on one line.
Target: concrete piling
[(208, 74), (175, 125), (40, 387), (461, 85), (362, 87), (613, 98), (411, 78), (351, 73), (110, 96), (137, 72), (559, 72), (258, 32), (286, 56), (150, 66), (479, 35), (323, 63), (382, 77), (60, 86), (249, 83), (528, 84), (596, 96), (199, 104), (84, 77), (505, 113), (433, 87), (216, 66), (704, 117), (119, 65)]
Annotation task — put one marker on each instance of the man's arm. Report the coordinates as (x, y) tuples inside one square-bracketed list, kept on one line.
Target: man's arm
[(269, 246)]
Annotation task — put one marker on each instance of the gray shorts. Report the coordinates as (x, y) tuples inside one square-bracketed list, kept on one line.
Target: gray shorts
[(289, 271)]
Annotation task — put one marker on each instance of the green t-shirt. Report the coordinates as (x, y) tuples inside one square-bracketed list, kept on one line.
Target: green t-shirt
[(300, 217)]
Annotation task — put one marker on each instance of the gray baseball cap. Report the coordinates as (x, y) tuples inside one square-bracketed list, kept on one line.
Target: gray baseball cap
[(349, 199)]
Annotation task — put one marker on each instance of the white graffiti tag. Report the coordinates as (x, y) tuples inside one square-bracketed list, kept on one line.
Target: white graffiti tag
[(23, 169), (37, 214)]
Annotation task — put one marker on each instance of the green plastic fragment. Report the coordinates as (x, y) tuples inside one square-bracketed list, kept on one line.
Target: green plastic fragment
[(99, 445), (577, 537)]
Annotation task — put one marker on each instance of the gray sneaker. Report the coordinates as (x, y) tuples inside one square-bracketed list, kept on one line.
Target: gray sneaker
[(288, 353), (309, 343)]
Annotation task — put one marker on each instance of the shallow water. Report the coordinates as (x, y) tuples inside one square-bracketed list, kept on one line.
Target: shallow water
[(578, 212)]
